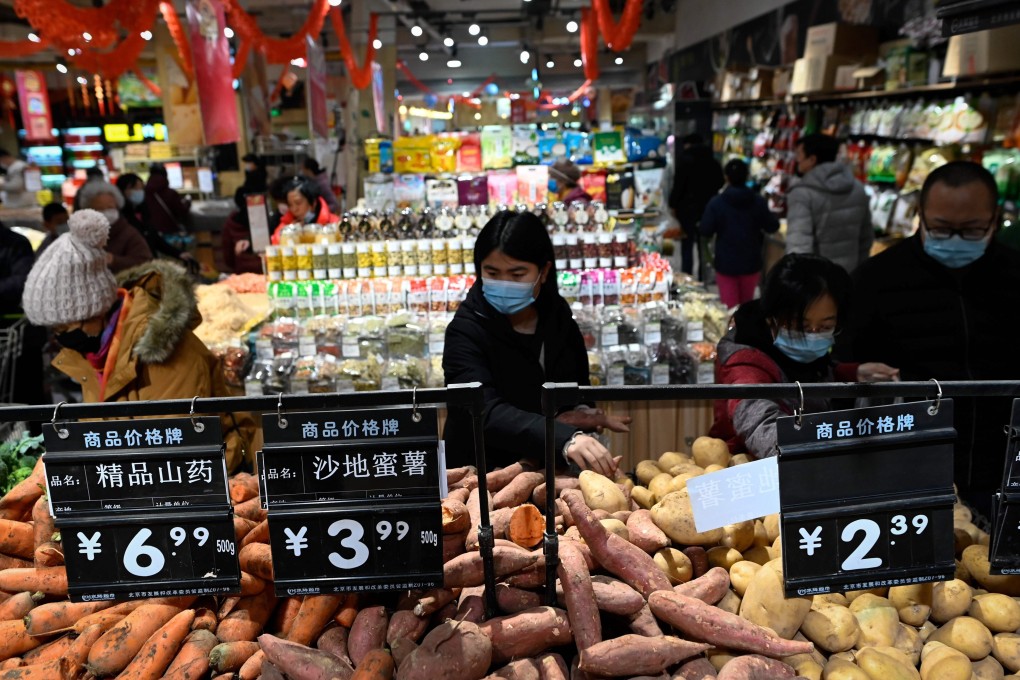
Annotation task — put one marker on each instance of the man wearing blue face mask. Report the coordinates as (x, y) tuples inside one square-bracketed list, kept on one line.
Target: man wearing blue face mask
[(785, 336), (943, 304)]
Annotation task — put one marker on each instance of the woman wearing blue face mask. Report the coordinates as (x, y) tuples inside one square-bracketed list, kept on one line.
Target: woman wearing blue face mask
[(785, 336), (304, 206), (513, 333)]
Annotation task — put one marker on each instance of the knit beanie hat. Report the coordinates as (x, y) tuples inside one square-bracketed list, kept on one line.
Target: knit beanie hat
[(70, 281)]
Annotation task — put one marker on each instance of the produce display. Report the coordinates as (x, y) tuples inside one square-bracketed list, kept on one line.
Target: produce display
[(641, 593)]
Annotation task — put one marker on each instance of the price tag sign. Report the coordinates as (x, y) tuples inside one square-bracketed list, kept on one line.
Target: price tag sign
[(867, 497), (1004, 553), (161, 555), (353, 499)]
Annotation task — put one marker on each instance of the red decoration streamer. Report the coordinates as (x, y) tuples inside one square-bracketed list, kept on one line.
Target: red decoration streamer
[(180, 39), (589, 44), (20, 48), (277, 50), (410, 76), (114, 63), (618, 36), (361, 76), (241, 58), (63, 23), (150, 86)]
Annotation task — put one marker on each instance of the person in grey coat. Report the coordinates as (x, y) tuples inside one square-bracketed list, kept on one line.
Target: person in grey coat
[(827, 210)]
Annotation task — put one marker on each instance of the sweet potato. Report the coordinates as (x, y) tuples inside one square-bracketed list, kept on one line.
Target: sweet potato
[(527, 633), (579, 597), (561, 484), (456, 519), (754, 667), (704, 622), (709, 588), (299, 661), (497, 479), (637, 655), (367, 633), (527, 526), (696, 669), (512, 600), (454, 475), (475, 514), (269, 671), (243, 487), (471, 606), (521, 669), (615, 596), (451, 651), (553, 667), (434, 600), (644, 533), (460, 494), (616, 555), (378, 664), (405, 624), (466, 570), (334, 641), (643, 622), (517, 491)]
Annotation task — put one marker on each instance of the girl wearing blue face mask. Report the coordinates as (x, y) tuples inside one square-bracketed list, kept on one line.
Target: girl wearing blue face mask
[(513, 333), (785, 336)]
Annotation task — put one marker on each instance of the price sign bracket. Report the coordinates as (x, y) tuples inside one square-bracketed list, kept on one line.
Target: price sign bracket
[(1004, 553)]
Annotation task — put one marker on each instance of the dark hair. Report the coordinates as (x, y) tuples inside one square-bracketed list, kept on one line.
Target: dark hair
[(693, 139), (157, 169), (736, 172), (522, 237), (93, 172), (796, 281), (279, 187), (128, 180), (312, 166), (253, 158), (4, 152), (823, 147), (51, 210), (957, 174), (308, 190)]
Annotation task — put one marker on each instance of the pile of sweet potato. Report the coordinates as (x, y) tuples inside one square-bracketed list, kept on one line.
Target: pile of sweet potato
[(640, 594)]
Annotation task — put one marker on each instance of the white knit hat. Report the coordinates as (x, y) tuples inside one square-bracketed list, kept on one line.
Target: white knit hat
[(70, 281)]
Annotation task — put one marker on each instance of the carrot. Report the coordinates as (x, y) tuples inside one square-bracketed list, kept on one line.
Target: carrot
[(48, 554), (105, 619), (283, 615), (17, 539), (192, 660), (160, 649), (57, 616), (58, 669), (15, 640), (704, 622), (54, 649), (241, 527), (230, 656), (223, 676), (250, 509), (14, 662), (117, 647), (79, 651), (348, 611), (313, 615), (205, 619), (527, 526), (252, 668), (18, 605), (243, 486), (17, 503), (255, 558), (49, 580), (8, 562), (376, 665), (258, 534), (42, 525), (248, 618), (251, 585), (228, 605), (579, 595)]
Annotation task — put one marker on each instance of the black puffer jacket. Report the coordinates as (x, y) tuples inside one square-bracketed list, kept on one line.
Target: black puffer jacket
[(934, 322), (16, 260), (482, 346)]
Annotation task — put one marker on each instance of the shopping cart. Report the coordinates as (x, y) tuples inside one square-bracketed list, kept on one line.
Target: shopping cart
[(11, 339)]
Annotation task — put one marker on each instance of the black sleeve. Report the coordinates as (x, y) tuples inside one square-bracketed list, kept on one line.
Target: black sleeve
[(708, 223), (19, 262), (862, 337)]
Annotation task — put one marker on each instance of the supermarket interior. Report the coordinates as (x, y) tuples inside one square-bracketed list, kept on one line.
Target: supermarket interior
[(743, 276)]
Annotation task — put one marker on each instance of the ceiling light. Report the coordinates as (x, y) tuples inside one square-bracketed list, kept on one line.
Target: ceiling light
[(478, 116), (32, 37), (453, 63), (146, 35), (424, 56), (87, 36), (416, 31), (483, 41), (555, 114), (619, 61), (578, 62), (299, 62), (474, 29), (377, 44), (571, 26), (228, 32), (448, 41), (82, 81), (335, 3), (525, 56), (70, 53), (61, 68), (550, 64), (402, 110)]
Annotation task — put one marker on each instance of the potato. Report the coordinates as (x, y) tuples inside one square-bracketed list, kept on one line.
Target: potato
[(961, 541), (999, 613), (944, 663), (761, 536), (841, 669), (674, 564), (659, 486), (829, 600), (720, 556), (909, 642), (961, 513), (674, 515), (759, 554), (967, 635), (615, 526), (949, 599), (602, 493), (740, 459), (772, 527), (879, 626), (680, 481), (913, 602), (684, 468), (805, 666), (961, 572), (868, 600), (852, 595), (729, 603), (719, 657), (1006, 650), (832, 628), (988, 669), (646, 471), (671, 458), (886, 663), (764, 602), (777, 548), (713, 468), (710, 451), (626, 483), (925, 631), (975, 559), (741, 574), (738, 536), (643, 497)]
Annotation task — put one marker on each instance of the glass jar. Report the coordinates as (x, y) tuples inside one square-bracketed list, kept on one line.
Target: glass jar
[(304, 262), (408, 258), (589, 250), (394, 260), (455, 256), (274, 263), (364, 259), (288, 257), (320, 262), (559, 242), (290, 235), (468, 255), (575, 256), (349, 256), (620, 250), (605, 250), (378, 259), (335, 260)]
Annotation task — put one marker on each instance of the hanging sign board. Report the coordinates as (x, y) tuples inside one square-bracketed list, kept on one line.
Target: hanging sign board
[(1004, 552), (867, 497), (258, 221), (353, 500)]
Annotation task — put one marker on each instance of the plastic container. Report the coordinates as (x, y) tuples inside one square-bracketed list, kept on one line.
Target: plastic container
[(408, 258), (335, 261), (590, 250), (320, 263), (605, 250), (364, 252), (349, 257), (394, 261), (621, 250), (274, 263), (378, 259)]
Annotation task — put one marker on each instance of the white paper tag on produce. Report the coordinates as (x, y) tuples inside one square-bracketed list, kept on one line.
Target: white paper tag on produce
[(736, 494)]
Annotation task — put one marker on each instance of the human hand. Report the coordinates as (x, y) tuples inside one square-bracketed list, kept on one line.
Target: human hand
[(242, 246), (589, 454), (594, 420), (877, 372)]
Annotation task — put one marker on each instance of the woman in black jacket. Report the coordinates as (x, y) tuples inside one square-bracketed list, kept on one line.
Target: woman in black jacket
[(513, 333)]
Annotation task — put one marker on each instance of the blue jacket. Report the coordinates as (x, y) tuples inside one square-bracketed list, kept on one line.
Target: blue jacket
[(738, 217)]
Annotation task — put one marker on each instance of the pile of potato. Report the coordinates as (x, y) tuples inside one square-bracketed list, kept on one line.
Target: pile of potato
[(961, 629)]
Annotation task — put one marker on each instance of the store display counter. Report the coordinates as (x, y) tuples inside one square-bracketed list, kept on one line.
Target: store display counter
[(22, 217)]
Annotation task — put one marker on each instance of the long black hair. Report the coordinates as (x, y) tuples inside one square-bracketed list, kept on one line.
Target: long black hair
[(796, 281), (522, 237)]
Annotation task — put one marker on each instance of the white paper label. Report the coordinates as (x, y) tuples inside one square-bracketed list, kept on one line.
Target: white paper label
[(736, 494), (610, 335), (653, 333), (349, 348), (306, 346), (615, 376), (660, 374), (695, 331)]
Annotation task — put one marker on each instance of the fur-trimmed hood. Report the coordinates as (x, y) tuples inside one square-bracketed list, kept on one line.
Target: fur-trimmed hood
[(176, 314)]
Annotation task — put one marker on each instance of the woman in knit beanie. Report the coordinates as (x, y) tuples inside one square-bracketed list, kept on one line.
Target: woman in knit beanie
[(126, 339)]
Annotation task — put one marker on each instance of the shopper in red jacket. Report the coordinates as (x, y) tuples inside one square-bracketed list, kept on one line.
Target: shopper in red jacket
[(304, 206)]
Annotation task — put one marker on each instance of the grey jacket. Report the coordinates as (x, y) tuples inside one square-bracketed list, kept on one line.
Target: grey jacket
[(828, 215)]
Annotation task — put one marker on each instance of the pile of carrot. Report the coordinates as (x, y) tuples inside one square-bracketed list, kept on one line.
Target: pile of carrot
[(616, 617)]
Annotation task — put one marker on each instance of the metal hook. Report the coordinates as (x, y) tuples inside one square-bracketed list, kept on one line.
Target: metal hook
[(934, 408), (199, 426), (798, 413), (415, 416), (281, 422), (61, 431)]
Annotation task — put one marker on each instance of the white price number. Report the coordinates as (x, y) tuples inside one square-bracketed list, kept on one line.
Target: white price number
[(352, 540), (858, 559), (144, 560)]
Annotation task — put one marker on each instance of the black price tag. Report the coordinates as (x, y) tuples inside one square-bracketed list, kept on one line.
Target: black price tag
[(1004, 553), (153, 555), (130, 465), (867, 497), (392, 547)]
